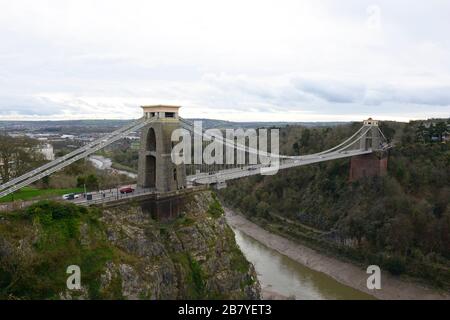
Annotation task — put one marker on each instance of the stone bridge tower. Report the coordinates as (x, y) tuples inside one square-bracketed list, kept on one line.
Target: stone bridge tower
[(372, 164), (372, 138), (155, 168)]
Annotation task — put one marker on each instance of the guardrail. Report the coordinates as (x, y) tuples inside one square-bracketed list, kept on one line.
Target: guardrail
[(115, 196), (140, 192), (112, 197)]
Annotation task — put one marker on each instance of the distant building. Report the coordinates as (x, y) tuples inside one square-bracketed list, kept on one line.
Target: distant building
[(85, 139), (68, 136), (47, 150), (2, 163), (133, 137)]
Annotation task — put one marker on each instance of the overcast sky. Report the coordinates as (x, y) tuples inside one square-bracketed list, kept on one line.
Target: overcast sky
[(237, 60)]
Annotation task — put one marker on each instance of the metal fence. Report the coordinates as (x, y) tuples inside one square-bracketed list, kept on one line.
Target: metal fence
[(115, 195)]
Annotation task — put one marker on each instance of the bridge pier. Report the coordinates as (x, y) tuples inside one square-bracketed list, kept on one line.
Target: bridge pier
[(368, 165), (164, 210)]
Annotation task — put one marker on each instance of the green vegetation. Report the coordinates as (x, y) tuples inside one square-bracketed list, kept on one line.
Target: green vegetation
[(400, 222), (90, 181), (184, 256), (432, 131), (215, 208), (29, 193), (42, 274), (194, 280), (196, 277)]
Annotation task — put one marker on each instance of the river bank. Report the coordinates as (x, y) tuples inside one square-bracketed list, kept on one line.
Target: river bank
[(283, 278), (343, 272), (103, 163)]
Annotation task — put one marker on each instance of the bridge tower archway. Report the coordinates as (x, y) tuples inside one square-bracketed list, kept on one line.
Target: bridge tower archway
[(156, 169), (149, 177), (151, 140)]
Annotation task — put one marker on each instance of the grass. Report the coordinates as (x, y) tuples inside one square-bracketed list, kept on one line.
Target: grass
[(28, 193)]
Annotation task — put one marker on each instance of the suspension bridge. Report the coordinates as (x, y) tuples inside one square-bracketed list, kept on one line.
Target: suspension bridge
[(159, 176)]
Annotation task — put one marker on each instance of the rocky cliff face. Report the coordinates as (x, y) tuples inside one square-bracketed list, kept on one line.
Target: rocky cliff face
[(123, 253)]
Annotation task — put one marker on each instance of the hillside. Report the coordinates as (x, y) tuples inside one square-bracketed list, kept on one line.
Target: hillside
[(400, 222), (123, 254)]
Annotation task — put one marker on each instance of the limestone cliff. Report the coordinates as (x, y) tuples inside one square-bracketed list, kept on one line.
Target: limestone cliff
[(123, 253)]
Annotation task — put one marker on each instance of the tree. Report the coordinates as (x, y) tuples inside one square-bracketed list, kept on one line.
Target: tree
[(440, 130), (18, 156), (46, 181), (423, 133), (388, 131), (81, 181), (304, 139), (296, 148), (263, 209), (92, 182)]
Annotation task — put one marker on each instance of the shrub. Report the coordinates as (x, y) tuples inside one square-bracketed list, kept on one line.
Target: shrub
[(215, 208), (395, 265)]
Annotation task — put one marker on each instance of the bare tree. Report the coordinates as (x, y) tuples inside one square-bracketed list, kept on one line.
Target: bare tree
[(17, 156)]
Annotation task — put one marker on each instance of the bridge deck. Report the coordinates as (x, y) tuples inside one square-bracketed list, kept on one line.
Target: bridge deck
[(246, 171), (111, 197)]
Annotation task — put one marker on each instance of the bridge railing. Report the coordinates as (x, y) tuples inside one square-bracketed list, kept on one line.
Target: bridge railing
[(105, 197)]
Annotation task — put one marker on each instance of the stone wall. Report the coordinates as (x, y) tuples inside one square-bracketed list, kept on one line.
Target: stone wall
[(368, 165)]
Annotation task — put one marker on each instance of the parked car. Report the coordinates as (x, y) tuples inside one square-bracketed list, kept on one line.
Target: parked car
[(126, 190), (69, 196)]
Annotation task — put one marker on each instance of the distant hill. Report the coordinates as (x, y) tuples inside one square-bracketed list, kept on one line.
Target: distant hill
[(213, 123), (68, 126), (77, 126)]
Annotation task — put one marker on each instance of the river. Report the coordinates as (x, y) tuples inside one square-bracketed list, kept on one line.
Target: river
[(285, 277), (104, 163)]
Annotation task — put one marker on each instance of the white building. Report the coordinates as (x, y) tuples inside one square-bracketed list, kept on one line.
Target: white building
[(47, 150)]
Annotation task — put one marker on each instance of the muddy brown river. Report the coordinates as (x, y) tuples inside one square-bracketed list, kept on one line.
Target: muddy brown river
[(284, 276)]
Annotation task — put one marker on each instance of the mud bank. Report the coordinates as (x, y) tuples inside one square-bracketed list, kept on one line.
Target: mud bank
[(343, 272)]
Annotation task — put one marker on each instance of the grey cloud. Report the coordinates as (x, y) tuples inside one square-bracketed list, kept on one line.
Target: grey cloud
[(348, 92), (27, 106), (417, 95), (331, 91), (438, 96)]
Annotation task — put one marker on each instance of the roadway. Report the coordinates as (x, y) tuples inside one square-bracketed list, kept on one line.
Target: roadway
[(246, 171), (107, 195)]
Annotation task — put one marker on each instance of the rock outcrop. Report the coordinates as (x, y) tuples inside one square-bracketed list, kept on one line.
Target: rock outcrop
[(124, 254)]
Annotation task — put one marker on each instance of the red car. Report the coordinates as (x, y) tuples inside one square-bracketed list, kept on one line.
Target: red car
[(126, 190)]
